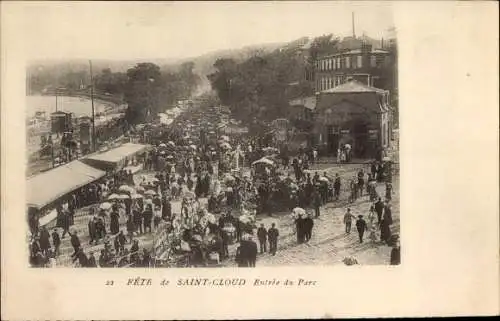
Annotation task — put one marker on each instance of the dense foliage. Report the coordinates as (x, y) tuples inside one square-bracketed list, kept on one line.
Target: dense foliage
[(146, 88), (258, 89), (148, 91)]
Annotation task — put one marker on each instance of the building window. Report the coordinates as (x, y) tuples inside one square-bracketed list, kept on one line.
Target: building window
[(338, 63), (333, 64), (360, 61), (329, 64), (348, 62), (373, 61)]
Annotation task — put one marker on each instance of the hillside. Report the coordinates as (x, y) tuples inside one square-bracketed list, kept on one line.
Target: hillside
[(48, 72)]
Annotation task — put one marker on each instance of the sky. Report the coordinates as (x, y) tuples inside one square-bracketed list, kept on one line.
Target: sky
[(172, 30)]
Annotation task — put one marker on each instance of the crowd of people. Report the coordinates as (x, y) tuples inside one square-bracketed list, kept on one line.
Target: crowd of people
[(188, 162)]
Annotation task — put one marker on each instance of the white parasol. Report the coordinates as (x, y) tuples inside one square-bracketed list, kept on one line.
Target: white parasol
[(299, 211), (162, 145), (113, 197), (150, 192), (263, 161), (136, 196), (171, 143), (126, 188), (123, 196), (105, 206), (323, 179)]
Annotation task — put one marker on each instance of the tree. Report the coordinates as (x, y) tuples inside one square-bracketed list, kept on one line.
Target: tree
[(326, 44), (142, 94)]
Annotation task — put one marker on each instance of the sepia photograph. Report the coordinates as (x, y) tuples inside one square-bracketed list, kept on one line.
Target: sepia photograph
[(169, 160), (281, 153)]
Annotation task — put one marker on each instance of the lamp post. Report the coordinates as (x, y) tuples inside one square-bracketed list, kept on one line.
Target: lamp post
[(93, 110)]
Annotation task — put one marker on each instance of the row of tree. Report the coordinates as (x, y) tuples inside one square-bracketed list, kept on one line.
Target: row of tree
[(145, 88), (149, 91), (259, 89)]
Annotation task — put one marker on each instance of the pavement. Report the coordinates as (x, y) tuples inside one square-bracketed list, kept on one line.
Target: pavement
[(329, 243)]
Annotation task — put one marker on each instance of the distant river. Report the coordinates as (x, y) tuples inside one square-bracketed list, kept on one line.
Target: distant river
[(76, 105)]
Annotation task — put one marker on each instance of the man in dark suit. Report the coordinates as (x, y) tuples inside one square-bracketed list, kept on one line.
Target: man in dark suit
[(308, 226), (379, 208), (361, 227), (252, 253), (273, 234), (56, 241), (75, 242), (262, 235)]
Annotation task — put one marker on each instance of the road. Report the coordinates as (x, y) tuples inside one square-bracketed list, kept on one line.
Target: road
[(329, 243)]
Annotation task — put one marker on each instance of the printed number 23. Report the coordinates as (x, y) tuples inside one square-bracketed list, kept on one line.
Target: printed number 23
[(109, 282)]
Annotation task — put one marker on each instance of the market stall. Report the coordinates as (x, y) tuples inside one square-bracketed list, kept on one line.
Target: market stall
[(116, 158)]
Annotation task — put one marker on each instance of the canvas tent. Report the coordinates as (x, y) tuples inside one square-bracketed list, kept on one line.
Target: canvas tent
[(116, 157), (49, 186)]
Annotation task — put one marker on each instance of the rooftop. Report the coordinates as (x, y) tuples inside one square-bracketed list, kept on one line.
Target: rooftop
[(355, 52), (353, 86), (307, 102)]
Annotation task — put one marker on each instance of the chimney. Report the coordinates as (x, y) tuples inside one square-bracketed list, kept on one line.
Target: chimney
[(353, 27)]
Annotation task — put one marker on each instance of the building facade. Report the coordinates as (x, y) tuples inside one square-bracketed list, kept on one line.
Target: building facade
[(356, 114), (369, 66)]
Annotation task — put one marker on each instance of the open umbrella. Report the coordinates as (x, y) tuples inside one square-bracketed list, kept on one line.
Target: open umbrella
[(299, 211), (126, 188), (192, 146), (171, 143), (105, 206), (189, 194), (123, 196), (263, 161), (323, 179), (162, 145), (150, 192), (113, 197), (136, 196)]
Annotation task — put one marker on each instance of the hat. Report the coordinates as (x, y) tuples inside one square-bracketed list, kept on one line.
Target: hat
[(360, 216)]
